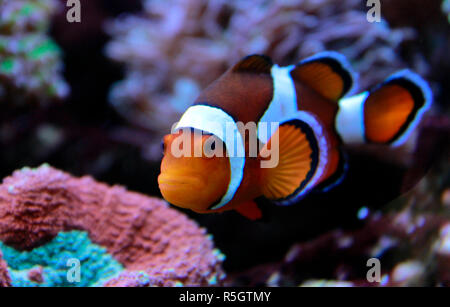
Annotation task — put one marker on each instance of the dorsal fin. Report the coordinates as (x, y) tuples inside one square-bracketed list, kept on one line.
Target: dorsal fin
[(327, 73), (257, 64)]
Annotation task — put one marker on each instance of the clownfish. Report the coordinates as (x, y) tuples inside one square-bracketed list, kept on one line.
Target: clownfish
[(313, 116)]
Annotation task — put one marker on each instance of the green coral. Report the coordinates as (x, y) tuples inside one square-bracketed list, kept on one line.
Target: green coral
[(25, 14), (446, 8), (30, 61), (96, 265)]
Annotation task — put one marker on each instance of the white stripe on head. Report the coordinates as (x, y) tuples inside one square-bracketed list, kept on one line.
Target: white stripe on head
[(350, 119), (284, 101), (218, 122)]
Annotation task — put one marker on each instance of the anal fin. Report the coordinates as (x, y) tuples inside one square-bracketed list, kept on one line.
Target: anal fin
[(250, 210)]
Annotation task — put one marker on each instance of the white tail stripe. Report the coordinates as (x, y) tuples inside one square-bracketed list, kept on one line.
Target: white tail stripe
[(350, 119)]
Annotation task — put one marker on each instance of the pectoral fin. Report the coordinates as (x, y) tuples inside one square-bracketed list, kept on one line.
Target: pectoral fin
[(298, 157)]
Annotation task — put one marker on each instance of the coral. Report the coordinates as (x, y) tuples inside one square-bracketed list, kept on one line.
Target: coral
[(36, 275), (132, 279), (410, 237), (144, 234), (175, 48), (326, 283), (48, 265), (5, 280), (446, 8), (443, 253), (30, 64)]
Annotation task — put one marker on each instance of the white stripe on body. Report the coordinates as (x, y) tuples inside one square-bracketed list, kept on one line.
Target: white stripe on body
[(350, 119), (283, 104), (284, 107)]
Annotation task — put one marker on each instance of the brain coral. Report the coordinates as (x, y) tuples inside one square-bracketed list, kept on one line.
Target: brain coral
[(157, 245)]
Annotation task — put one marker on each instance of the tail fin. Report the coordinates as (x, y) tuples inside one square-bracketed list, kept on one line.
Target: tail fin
[(388, 113)]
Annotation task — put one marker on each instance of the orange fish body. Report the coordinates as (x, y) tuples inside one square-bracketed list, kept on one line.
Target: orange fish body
[(278, 132)]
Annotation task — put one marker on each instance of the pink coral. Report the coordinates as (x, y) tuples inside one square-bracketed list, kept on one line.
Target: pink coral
[(5, 281), (36, 275), (142, 233)]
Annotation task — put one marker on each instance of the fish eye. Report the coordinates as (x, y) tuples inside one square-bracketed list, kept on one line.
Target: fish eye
[(213, 145)]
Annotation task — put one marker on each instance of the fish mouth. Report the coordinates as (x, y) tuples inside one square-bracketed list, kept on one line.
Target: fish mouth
[(175, 182)]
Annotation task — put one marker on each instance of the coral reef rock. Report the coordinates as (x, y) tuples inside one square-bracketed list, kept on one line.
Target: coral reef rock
[(157, 245), (51, 264), (30, 64), (5, 281)]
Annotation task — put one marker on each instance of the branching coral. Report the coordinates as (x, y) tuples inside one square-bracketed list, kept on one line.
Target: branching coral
[(30, 64), (174, 48), (157, 245)]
